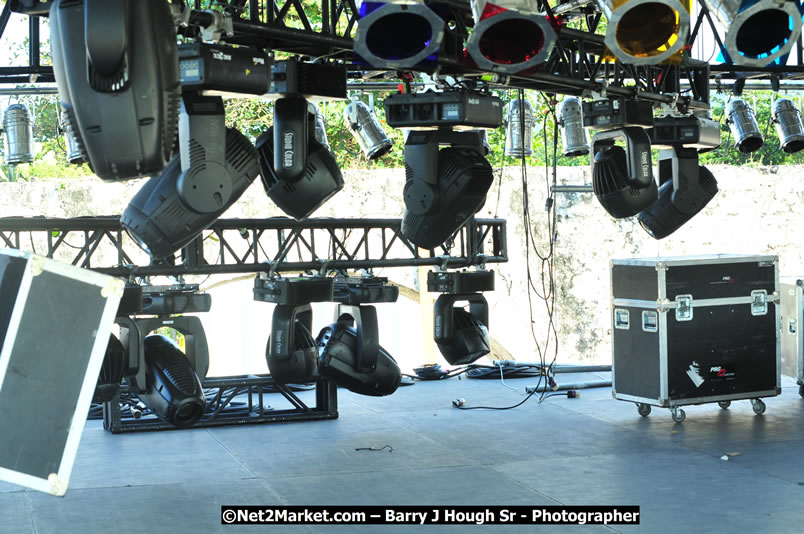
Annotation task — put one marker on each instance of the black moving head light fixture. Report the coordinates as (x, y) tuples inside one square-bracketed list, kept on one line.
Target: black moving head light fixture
[(685, 187), (216, 165), (164, 377), (461, 335), (117, 69), (352, 357), (113, 370), (307, 174), (172, 389), (292, 353), (622, 179), (444, 187)]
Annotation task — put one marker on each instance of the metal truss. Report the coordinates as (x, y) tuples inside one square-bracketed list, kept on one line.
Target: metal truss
[(254, 245), (578, 64), (230, 401)]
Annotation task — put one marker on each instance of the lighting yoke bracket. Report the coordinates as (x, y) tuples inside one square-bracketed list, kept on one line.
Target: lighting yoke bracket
[(680, 165), (421, 158), (637, 146), (163, 302)]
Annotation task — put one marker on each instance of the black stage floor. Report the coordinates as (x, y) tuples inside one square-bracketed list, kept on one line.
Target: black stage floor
[(592, 450)]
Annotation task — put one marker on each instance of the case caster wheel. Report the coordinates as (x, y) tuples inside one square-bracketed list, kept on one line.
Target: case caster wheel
[(678, 414), (758, 406), (643, 409), (724, 404)]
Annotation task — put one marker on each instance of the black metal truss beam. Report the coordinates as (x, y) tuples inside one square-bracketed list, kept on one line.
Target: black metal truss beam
[(233, 401), (254, 245), (578, 64)]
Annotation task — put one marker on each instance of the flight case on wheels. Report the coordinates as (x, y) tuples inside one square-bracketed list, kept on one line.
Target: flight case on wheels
[(792, 307), (694, 330)]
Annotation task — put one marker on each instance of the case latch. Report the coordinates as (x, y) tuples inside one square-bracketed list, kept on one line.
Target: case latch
[(684, 308), (622, 319), (759, 302)]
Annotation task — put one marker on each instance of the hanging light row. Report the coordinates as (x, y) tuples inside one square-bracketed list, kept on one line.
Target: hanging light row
[(747, 136), (510, 36)]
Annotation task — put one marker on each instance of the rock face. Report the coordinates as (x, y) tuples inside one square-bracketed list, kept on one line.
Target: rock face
[(756, 212)]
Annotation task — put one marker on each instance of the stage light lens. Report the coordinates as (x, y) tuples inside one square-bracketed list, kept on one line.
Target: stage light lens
[(763, 32), (645, 29), (511, 41)]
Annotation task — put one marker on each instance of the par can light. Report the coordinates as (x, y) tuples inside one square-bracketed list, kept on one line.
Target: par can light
[(646, 32), (509, 36), (76, 153), (743, 125), (397, 34), (19, 139), (366, 129), (320, 129), (788, 125), (519, 129), (573, 135)]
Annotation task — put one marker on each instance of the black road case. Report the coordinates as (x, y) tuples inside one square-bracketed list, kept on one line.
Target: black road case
[(792, 307), (695, 329)]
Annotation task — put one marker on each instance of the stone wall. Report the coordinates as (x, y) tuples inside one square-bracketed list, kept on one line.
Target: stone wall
[(757, 211)]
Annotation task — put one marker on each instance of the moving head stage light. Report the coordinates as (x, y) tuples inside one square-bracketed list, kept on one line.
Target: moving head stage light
[(292, 353), (398, 34), (461, 336), (195, 188), (743, 125), (352, 357), (788, 125), (116, 66), (299, 173), (646, 32), (445, 187), (757, 33), (622, 179), (165, 378), (684, 186), (509, 36), (172, 389)]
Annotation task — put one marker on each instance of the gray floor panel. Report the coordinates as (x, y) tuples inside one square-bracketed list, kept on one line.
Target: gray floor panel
[(685, 492), (15, 513), (592, 450), (168, 457)]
